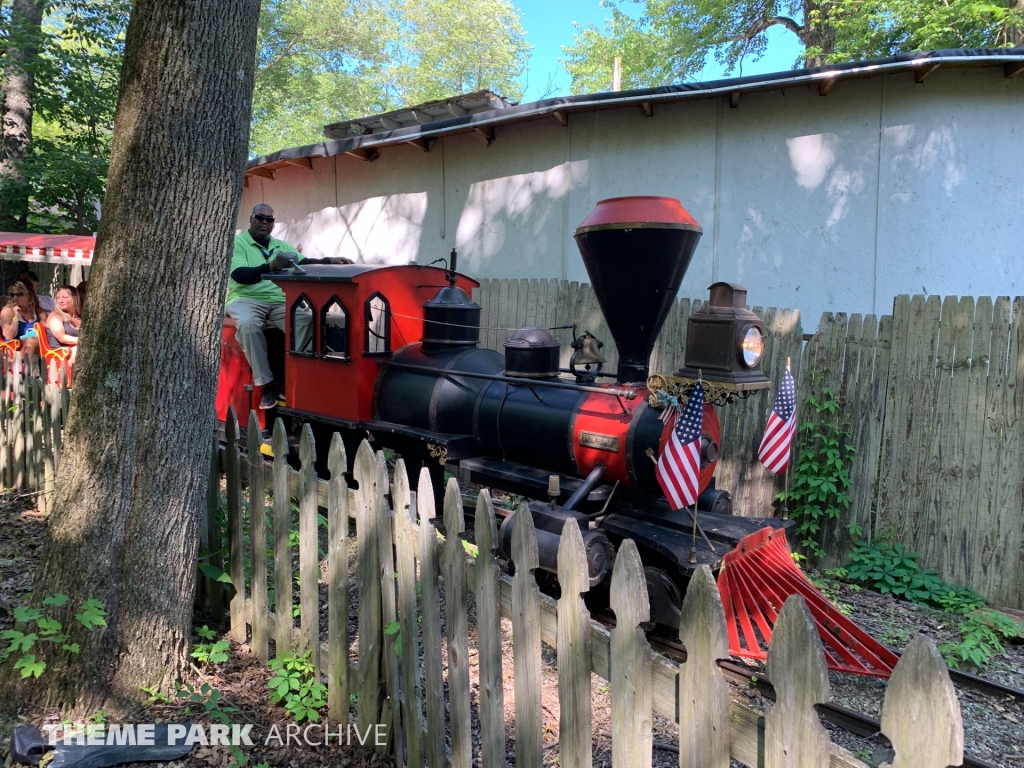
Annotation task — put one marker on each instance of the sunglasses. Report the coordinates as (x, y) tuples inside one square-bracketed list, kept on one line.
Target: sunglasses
[(16, 295), (264, 219)]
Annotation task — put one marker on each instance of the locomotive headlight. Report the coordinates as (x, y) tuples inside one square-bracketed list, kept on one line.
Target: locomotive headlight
[(752, 347)]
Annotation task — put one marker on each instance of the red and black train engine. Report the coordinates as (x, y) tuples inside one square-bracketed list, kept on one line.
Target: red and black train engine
[(394, 355)]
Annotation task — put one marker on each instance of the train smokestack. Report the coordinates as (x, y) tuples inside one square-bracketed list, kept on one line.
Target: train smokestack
[(636, 251)]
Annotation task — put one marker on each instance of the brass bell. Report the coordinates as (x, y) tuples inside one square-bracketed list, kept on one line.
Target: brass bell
[(586, 353), (586, 361)]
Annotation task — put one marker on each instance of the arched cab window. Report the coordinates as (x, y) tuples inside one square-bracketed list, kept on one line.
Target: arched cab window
[(334, 330), (378, 325), (302, 327)]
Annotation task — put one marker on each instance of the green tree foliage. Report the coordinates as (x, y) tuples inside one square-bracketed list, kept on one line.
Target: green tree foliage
[(448, 47), (317, 62), (323, 61), (672, 39), (76, 68), (76, 97)]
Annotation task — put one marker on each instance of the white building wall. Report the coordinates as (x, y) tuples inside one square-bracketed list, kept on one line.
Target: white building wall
[(821, 203)]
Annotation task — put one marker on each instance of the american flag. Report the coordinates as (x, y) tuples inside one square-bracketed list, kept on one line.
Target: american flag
[(679, 464), (778, 435)]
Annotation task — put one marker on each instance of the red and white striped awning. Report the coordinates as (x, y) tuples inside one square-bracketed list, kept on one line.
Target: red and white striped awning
[(51, 249)]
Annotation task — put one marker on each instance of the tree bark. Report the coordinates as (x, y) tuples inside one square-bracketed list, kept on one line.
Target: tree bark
[(18, 95), (132, 478), (819, 36)]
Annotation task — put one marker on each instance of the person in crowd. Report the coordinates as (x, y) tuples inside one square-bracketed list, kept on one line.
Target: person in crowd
[(65, 321), (82, 287), (251, 301), (18, 318), (31, 279)]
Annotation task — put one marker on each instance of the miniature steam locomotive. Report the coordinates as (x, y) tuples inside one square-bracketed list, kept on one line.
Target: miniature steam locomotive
[(395, 355)]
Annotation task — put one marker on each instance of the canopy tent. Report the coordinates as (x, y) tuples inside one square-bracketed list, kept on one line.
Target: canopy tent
[(50, 249)]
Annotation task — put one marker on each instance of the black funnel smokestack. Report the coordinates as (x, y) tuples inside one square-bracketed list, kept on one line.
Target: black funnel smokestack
[(636, 251)]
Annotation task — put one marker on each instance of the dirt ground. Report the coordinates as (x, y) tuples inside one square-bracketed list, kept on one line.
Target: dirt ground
[(994, 729)]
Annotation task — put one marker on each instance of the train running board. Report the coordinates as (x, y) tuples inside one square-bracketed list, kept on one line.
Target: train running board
[(756, 578)]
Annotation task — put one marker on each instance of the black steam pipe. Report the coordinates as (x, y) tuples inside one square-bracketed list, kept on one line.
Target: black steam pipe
[(585, 487), (629, 394)]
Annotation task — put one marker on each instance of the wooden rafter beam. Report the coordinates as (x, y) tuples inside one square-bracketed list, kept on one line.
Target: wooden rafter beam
[(734, 99), (420, 142), (266, 173), (456, 110), (825, 86), (389, 124), (301, 162), (1014, 69), (422, 117), (648, 108), (923, 70), (485, 133), (561, 117), (364, 153)]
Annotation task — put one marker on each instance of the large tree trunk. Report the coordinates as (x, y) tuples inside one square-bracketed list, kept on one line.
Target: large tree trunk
[(137, 445), (18, 93)]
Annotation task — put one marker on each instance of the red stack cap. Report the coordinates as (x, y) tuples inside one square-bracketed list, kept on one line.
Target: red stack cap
[(641, 210)]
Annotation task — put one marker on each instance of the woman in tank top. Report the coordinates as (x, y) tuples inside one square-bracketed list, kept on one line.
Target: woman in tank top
[(65, 322), (18, 318)]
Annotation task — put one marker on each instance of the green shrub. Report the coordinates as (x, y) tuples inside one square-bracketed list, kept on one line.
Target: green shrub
[(294, 685), (890, 569), (820, 491), (983, 634)]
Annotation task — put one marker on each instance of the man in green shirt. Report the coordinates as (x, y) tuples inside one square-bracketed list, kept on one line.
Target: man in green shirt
[(253, 301)]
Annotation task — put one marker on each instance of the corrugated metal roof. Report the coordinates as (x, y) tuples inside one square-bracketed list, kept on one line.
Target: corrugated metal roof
[(380, 133)]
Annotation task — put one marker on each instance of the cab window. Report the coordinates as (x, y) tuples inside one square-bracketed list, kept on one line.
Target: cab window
[(302, 327), (334, 330), (378, 325)]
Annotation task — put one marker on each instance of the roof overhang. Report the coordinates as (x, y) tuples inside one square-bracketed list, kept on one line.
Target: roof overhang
[(51, 249), (483, 124)]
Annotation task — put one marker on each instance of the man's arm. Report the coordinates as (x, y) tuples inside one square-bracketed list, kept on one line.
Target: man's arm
[(249, 275)]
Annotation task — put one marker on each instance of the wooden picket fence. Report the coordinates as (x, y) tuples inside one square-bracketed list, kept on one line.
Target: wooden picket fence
[(402, 677), (31, 424), (934, 399)]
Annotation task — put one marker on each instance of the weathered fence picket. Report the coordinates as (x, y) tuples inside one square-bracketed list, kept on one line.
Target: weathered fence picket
[(921, 714), (488, 618), (405, 575), (631, 689), (703, 691), (575, 729), (236, 539), (309, 557), (368, 507), (456, 623), (257, 538), (433, 685), (384, 516), (793, 735), (526, 658), (337, 580), (282, 545)]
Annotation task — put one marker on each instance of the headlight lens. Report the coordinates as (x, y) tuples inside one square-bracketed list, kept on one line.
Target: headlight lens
[(752, 347)]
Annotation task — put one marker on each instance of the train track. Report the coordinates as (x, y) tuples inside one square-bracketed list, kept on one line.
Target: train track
[(849, 720)]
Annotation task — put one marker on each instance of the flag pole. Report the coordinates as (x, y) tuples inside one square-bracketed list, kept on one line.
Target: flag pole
[(789, 464), (692, 559)]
